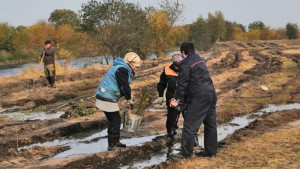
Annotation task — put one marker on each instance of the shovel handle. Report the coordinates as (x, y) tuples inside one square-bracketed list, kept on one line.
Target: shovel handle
[(41, 61)]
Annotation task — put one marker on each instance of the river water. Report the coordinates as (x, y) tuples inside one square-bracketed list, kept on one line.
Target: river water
[(73, 63), (78, 63)]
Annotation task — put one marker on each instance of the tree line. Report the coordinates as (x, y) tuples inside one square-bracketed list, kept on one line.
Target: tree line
[(114, 27)]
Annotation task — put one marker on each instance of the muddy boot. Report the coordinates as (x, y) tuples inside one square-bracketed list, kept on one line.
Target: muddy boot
[(112, 142), (196, 145), (49, 81), (52, 79), (119, 144), (171, 133)]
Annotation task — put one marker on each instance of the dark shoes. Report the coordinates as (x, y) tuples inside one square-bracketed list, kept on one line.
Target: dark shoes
[(51, 81), (114, 142), (179, 155), (121, 145), (203, 154), (171, 133), (195, 148)]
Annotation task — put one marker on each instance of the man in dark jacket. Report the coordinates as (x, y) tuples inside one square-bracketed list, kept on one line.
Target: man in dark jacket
[(195, 84), (168, 79), (47, 57)]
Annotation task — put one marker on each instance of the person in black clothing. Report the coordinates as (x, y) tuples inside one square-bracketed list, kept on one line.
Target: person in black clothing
[(47, 57), (195, 84), (168, 79)]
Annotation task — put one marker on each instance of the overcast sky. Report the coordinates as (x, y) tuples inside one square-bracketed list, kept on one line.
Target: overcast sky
[(273, 13)]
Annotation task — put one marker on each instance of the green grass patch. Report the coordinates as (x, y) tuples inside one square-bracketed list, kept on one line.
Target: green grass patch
[(17, 57)]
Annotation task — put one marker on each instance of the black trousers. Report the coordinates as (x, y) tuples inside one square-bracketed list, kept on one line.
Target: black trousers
[(114, 122), (172, 118), (201, 109)]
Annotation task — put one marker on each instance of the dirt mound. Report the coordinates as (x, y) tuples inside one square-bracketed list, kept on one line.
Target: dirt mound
[(231, 60), (266, 64), (295, 58)]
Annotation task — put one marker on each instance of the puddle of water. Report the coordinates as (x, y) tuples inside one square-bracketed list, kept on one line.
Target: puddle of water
[(82, 143), (31, 116), (8, 109), (77, 147), (154, 160), (223, 132)]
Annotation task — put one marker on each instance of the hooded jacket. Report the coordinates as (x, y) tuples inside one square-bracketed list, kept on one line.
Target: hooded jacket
[(109, 88)]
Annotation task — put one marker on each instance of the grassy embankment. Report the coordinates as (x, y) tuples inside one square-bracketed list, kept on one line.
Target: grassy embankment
[(11, 59)]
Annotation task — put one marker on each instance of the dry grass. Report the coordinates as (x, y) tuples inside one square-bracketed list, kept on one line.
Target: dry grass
[(143, 83), (289, 65), (278, 149), (247, 63), (292, 51)]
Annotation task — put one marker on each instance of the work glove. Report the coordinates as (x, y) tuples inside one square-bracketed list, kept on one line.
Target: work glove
[(160, 100), (131, 103)]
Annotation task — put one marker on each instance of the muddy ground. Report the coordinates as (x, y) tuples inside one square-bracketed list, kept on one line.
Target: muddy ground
[(235, 151), (239, 70)]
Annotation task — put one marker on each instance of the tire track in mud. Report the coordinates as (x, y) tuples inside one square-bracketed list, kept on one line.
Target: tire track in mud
[(232, 60), (265, 64)]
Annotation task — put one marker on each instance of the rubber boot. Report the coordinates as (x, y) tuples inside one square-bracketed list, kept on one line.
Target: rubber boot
[(171, 133), (119, 144), (52, 79), (112, 142), (49, 81)]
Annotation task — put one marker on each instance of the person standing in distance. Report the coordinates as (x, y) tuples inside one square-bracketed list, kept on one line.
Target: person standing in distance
[(47, 57), (115, 84), (195, 84)]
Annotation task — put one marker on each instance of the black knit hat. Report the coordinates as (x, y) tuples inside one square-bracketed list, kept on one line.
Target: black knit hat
[(47, 42)]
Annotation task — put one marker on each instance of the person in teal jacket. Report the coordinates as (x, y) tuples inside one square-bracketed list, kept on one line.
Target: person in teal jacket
[(116, 84)]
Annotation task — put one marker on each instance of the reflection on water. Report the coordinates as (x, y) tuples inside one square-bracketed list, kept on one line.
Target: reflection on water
[(88, 142), (31, 116)]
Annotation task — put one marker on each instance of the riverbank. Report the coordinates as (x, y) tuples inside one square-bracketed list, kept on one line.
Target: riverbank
[(17, 59)]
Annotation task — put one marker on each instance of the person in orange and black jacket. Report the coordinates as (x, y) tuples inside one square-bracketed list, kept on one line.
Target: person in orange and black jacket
[(168, 79)]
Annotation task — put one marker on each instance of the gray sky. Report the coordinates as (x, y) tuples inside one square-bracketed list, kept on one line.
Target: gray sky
[(273, 13)]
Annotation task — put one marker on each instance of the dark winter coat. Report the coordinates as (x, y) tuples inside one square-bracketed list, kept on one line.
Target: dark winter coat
[(49, 56), (168, 79), (194, 79)]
